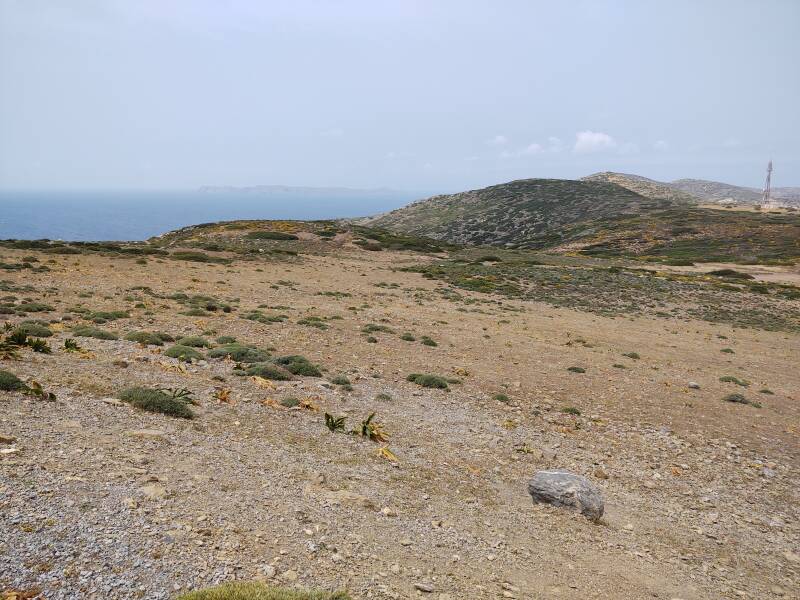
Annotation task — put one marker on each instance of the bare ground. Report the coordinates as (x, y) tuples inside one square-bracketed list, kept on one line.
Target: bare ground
[(701, 495)]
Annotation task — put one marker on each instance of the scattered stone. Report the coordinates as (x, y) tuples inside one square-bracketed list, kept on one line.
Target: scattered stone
[(113, 401), (7, 439), (693, 385), (424, 587), (269, 571), (154, 491), (289, 576), (561, 488), (600, 473), (148, 434)]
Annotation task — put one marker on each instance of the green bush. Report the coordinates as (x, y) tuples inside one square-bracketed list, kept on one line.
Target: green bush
[(576, 369), (270, 235), (428, 381), (194, 341), (240, 353), (156, 401), (94, 332), (340, 380), (407, 337), (571, 410), (226, 339), (259, 591), (633, 355), (269, 371), (298, 365), (427, 341), (34, 329), (102, 316), (149, 338), (184, 353), (10, 382), (502, 398), (383, 397)]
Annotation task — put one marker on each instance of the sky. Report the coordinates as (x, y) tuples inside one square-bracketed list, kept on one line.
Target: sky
[(440, 95)]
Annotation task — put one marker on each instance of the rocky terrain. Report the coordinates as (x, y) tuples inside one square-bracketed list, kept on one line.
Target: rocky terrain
[(673, 391), (644, 186)]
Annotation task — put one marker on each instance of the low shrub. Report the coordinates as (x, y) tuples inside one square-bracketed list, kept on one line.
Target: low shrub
[(183, 353), (270, 235), (10, 382), (226, 339), (194, 341), (103, 316), (576, 369), (298, 365), (407, 337), (240, 353), (149, 338), (427, 341), (34, 329), (428, 381), (269, 371), (156, 401), (93, 332), (340, 380)]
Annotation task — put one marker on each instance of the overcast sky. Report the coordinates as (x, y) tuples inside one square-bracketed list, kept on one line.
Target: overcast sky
[(408, 94)]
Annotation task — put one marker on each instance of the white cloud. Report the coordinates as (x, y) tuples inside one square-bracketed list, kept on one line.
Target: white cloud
[(661, 145), (532, 148), (498, 140), (593, 141)]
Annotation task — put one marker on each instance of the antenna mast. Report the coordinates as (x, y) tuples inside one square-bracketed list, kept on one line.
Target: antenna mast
[(765, 199)]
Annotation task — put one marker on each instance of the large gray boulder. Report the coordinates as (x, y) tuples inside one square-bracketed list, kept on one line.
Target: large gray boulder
[(561, 488)]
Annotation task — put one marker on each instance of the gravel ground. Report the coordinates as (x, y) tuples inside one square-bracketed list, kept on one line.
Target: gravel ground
[(100, 500)]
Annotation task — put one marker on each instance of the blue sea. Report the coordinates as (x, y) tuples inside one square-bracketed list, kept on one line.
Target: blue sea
[(107, 216)]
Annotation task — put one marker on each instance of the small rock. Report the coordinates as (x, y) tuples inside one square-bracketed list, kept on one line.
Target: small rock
[(148, 434), (268, 571), (7, 439), (693, 385), (600, 473), (113, 401), (122, 364), (154, 491), (561, 488), (424, 587), (389, 512)]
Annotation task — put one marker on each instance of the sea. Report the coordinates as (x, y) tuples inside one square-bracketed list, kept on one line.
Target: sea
[(133, 216)]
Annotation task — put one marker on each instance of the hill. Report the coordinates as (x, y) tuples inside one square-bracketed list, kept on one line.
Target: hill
[(650, 188), (523, 213), (599, 217), (716, 190)]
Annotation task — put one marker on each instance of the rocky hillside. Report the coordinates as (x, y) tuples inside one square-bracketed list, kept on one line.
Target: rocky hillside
[(649, 188), (715, 190), (523, 213)]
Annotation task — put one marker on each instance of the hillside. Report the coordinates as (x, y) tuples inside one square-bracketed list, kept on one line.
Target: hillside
[(715, 190), (519, 213), (599, 217), (649, 188)]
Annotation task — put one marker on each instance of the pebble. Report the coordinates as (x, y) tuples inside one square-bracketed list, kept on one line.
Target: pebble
[(424, 587)]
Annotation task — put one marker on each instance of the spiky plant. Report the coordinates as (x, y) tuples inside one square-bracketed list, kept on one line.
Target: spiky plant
[(334, 423)]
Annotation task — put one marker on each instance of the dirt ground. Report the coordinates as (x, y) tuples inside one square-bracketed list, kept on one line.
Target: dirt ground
[(101, 500)]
